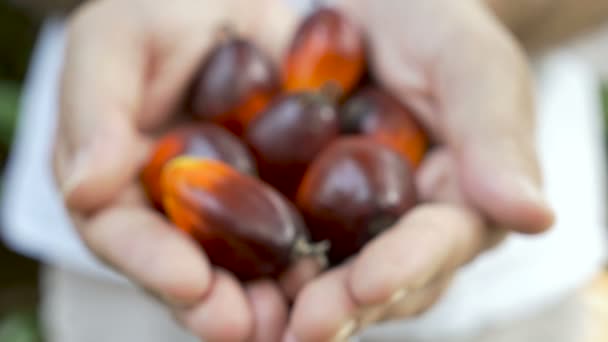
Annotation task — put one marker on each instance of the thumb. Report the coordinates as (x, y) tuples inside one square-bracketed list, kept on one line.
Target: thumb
[(489, 126), (98, 147), (105, 163), (109, 92), (502, 178), (481, 106)]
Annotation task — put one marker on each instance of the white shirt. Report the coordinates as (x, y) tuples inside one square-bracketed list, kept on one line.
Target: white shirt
[(518, 277)]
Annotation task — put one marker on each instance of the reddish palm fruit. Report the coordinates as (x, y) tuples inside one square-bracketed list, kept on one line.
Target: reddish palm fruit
[(374, 112), (199, 140), (356, 189), (235, 82), (289, 134), (327, 47), (243, 225)]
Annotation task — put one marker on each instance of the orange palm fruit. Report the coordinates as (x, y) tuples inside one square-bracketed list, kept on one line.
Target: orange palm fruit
[(327, 47), (375, 113), (243, 225), (235, 82), (204, 140), (353, 191)]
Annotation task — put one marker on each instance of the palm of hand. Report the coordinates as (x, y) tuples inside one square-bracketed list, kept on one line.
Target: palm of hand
[(470, 85), (461, 72)]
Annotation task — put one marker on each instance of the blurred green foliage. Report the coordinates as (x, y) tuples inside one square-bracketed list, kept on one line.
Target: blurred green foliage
[(9, 103), (604, 90), (17, 37), (20, 326), (18, 279), (605, 99)]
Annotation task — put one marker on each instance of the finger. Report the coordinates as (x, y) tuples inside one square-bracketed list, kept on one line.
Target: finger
[(404, 304), (224, 315), (429, 241), (490, 126), (101, 87), (298, 276), (503, 187), (128, 76), (269, 310), (438, 181), (417, 302), (353, 318), (324, 309), (471, 85), (181, 57), (143, 246)]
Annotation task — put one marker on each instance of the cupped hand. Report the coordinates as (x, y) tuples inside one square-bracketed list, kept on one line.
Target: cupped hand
[(470, 84), (127, 65)]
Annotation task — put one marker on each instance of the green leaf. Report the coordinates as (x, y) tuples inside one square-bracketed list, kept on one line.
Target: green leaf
[(605, 99), (9, 107), (20, 327)]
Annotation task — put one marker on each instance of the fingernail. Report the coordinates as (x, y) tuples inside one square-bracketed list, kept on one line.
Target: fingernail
[(347, 330), (76, 172)]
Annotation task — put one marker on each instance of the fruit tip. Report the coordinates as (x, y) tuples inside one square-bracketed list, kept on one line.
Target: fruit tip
[(332, 91), (318, 250)]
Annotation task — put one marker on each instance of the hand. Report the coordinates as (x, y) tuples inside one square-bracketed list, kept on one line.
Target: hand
[(127, 65), (469, 82)]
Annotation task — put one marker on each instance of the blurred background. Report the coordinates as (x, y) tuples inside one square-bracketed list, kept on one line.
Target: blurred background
[(19, 275)]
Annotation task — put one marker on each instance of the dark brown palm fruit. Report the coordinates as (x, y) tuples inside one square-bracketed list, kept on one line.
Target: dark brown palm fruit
[(204, 140), (355, 190), (235, 82), (327, 47), (243, 225), (373, 112), (289, 134)]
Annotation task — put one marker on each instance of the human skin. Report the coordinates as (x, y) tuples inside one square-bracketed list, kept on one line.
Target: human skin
[(469, 82), (538, 24), (126, 65), (127, 62), (393, 276)]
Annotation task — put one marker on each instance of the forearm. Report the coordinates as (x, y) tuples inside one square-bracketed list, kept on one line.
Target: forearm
[(544, 23)]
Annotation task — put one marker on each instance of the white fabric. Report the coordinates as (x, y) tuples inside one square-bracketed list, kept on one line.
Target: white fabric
[(123, 314), (526, 273), (33, 216), (521, 276)]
